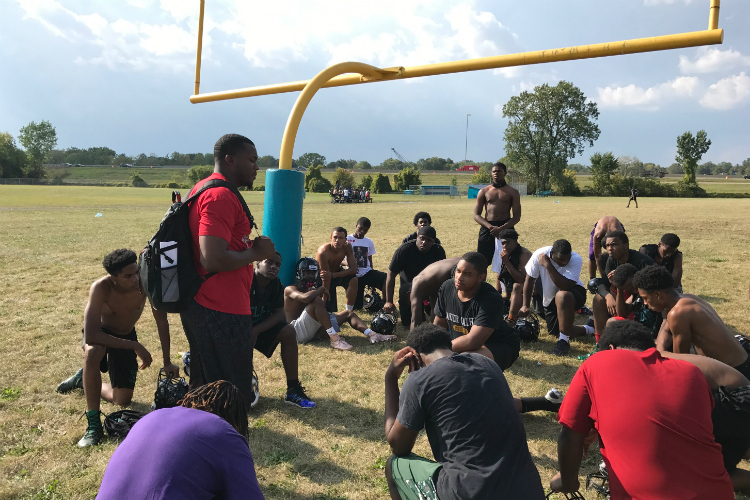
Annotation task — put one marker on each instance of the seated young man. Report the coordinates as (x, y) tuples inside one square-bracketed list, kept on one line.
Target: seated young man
[(110, 344), (208, 456), (364, 249), (330, 256), (629, 304), (511, 271), (478, 442), (408, 261), (688, 321), (305, 310), (270, 329), (663, 445), (671, 258), (421, 219), (472, 312), (425, 286), (559, 269), (604, 303), (730, 390)]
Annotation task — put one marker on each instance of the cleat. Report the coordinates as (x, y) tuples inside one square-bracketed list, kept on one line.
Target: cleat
[(562, 348), (379, 337), (341, 344), (256, 390), (296, 397), (72, 383), (94, 431), (554, 396), (585, 311)]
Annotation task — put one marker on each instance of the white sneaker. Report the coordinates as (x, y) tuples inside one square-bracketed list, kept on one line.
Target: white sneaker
[(256, 390), (554, 396), (341, 344), (379, 337)]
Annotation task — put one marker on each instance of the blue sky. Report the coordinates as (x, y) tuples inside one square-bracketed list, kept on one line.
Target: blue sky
[(119, 74)]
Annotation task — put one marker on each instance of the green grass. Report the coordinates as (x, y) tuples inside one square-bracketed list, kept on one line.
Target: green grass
[(51, 247)]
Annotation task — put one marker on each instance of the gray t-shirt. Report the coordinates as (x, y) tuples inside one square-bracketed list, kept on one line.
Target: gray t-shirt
[(464, 403)]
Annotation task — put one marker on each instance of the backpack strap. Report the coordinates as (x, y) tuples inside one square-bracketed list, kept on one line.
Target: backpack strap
[(222, 183)]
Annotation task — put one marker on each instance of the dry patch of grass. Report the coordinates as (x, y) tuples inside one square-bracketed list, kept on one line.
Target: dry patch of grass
[(51, 247)]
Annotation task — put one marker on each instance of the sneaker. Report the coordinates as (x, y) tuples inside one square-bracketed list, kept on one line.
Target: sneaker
[(585, 311), (256, 390), (341, 344), (186, 362), (72, 383), (379, 337), (562, 348), (94, 431), (296, 396), (554, 396)]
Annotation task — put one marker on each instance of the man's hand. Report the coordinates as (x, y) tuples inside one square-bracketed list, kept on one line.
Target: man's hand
[(145, 356), (544, 260), (495, 231), (403, 358), (504, 254), (171, 369), (556, 484), (323, 293), (389, 307), (611, 304), (524, 311), (263, 247), (325, 274), (610, 274)]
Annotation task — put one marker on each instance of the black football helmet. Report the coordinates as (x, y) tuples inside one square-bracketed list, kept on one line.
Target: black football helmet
[(169, 391), (373, 302), (599, 481), (305, 266), (528, 328), (593, 285), (384, 323), (576, 495)]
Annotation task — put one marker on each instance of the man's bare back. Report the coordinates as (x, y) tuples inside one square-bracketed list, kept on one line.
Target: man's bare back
[(606, 224), (426, 284), (693, 321)]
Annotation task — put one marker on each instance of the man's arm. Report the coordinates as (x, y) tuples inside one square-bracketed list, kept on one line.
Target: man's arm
[(623, 306), (677, 271), (351, 264), (216, 258), (325, 271), (276, 317), (390, 287), (162, 326), (569, 455), (558, 279), (528, 292), (664, 337), (682, 338), (518, 275), (474, 340), (399, 437), (304, 297), (516, 212), (417, 302), (479, 208)]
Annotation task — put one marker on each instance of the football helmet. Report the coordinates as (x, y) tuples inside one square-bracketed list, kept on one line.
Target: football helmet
[(169, 391), (384, 323), (593, 285), (599, 481), (373, 302), (307, 272), (528, 328), (118, 423)]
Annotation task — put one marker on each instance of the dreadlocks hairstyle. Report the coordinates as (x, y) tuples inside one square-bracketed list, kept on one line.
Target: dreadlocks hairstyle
[(626, 334), (422, 215), (230, 144), (652, 278), (426, 338), (116, 261), (671, 240), (221, 398), (623, 273)]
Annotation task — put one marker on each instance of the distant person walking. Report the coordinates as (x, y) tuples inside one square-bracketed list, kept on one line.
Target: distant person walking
[(633, 197)]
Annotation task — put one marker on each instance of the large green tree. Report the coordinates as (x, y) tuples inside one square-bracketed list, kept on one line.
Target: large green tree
[(38, 139), (309, 159), (344, 177), (546, 128), (689, 152), (405, 178), (603, 166), (12, 159)]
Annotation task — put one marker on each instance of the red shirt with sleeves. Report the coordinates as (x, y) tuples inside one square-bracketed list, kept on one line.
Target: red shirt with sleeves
[(217, 212), (653, 415)]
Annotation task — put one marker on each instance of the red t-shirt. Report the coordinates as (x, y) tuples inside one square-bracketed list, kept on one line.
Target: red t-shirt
[(653, 415), (217, 212)]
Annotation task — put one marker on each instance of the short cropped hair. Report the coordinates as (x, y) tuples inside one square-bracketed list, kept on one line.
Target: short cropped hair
[(422, 215), (339, 229), (477, 260), (427, 338), (671, 240), (230, 144), (620, 235), (562, 247), (626, 334), (116, 261), (623, 273), (652, 278), (508, 234), (501, 165), (364, 222)]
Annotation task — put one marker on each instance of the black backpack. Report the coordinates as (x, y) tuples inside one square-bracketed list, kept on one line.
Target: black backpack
[(166, 268)]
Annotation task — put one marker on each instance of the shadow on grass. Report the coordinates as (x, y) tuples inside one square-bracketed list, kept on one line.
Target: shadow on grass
[(713, 300), (361, 344)]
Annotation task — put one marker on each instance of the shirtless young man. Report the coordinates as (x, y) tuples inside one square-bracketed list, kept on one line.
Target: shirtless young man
[(304, 307), (110, 343), (497, 200), (603, 226), (688, 320), (330, 256), (425, 286)]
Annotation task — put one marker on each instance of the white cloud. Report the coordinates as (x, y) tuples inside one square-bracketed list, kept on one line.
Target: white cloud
[(711, 60), (727, 93), (141, 4), (651, 98), (666, 2)]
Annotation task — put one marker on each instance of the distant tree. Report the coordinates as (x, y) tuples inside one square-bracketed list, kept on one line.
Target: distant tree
[(308, 159), (392, 164), (362, 165), (548, 127), (723, 167), (675, 168), (12, 159), (706, 168), (38, 139), (603, 166), (201, 159), (454, 181), (435, 163), (565, 184), (381, 184), (689, 152), (121, 158), (199, 172), (57, 156), (745, 167), (482, 176), (367, 181), (344, 177), (405, 178), (630, 167), (265, 162), (345, 164), (577, 167), (315, 182), (136, 179)]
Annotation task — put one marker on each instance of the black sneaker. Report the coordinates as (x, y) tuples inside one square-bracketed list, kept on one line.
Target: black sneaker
[(72, 383), (94, 431), (296, 396), (562, 348), (256, 390)]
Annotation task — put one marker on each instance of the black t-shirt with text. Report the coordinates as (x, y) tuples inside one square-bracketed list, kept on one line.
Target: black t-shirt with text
[(486, 309), (263, 302), (410, 261)]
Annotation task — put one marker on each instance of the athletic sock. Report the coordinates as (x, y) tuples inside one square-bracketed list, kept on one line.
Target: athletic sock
[(291, 384), (589, 330), (331, 331), (538, 404), (564, 337), (511, 317), (349, 308), (597, 337), (368, 332)]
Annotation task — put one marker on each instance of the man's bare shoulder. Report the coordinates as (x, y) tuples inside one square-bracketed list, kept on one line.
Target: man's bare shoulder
[(102, 287), (324, 248)]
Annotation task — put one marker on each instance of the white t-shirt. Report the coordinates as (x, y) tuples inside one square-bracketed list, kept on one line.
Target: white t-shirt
[(363, 248), (572, 272)]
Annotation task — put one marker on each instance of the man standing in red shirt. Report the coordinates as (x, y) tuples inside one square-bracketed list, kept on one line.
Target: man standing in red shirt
[(653, 416), (217, 322)]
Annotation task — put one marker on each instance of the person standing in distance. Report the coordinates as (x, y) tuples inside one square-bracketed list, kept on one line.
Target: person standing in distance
[(497, 201), (217, 322)]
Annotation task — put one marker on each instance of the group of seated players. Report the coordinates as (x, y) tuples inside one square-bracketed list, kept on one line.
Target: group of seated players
[(667, 389), (349, 194)]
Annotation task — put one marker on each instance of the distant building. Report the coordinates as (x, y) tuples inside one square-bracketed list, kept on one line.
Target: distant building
[(468, 168)]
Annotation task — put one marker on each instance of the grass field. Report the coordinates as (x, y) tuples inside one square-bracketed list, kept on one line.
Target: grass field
[(51, 247)]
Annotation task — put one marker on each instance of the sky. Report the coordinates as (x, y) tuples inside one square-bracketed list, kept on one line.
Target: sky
[(120, 74)]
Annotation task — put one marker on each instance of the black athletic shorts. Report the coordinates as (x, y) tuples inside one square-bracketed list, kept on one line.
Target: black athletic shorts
[(550, 311), (744, 368), (505, 353), (341, 281), (731, 420), (122, 364), (486, 242), (267, 341)]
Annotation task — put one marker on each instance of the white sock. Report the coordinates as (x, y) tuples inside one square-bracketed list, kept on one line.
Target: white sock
[(564, 337), (349, 308), (331, 331), (368, 332), (589, 330)]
